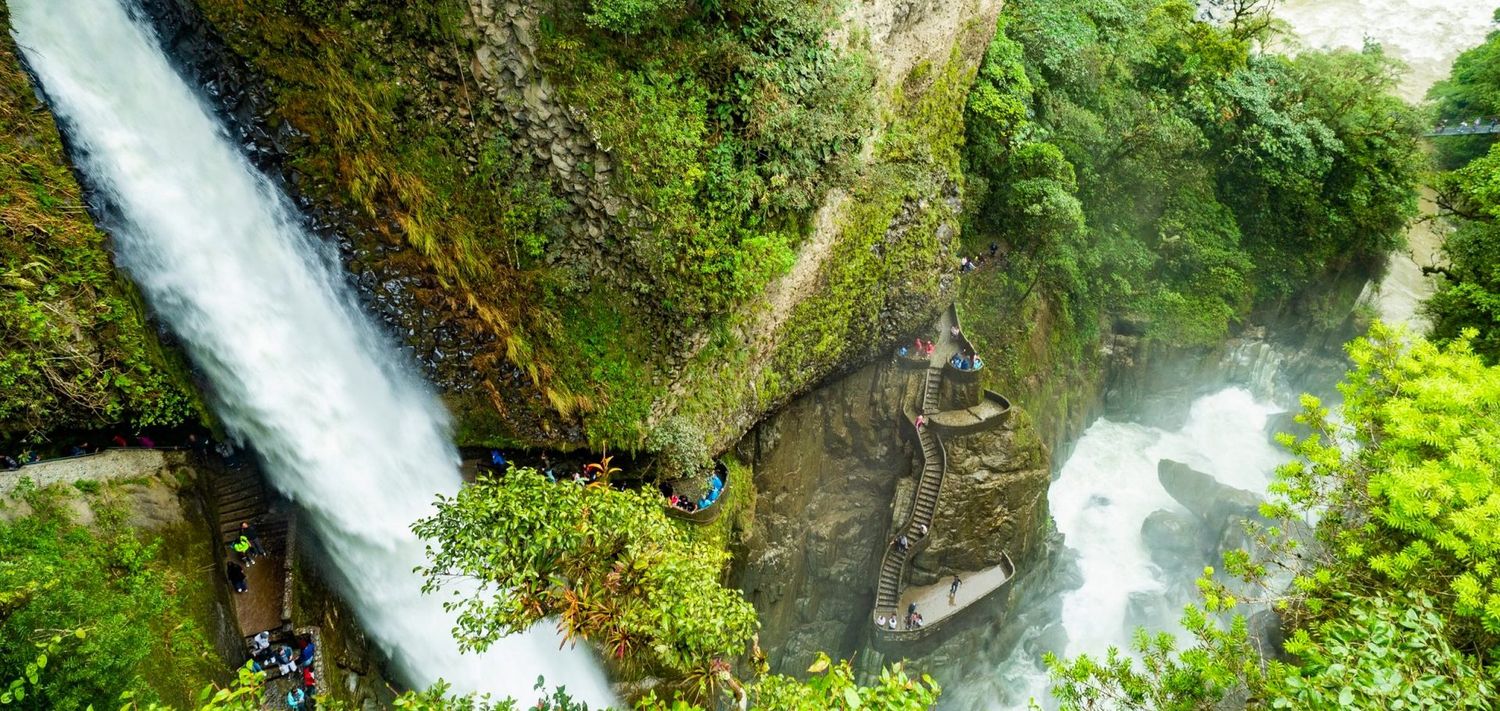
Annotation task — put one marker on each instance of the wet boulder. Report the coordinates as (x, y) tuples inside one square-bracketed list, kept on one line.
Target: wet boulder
[(1203, 495), (1174, 539)]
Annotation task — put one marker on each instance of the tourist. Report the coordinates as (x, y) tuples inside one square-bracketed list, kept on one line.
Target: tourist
[(901, 352), (242, 546), (880, 621), (994, 248), (903, 543), (953, 588), (497, 460), (954, 330), (145, 441), (9, 462), (30, 457), (119, 441), (305, 658), (964, 265), (891, 625), (75, 451), (296, 699), (249, 533), (916, 620), (921, 421), (911, 608), (921, 530), (236, 576), (978, 362), (260, 643)]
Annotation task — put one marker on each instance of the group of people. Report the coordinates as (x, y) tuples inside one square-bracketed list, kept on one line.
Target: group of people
[(903, 543), (968, 360), (246, 547), (498, 463), (969, 264), (281, 660), (687, 505), (913, 619)]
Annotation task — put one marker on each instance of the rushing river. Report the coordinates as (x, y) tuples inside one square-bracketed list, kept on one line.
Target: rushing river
[(297, 371), (1109, 485)]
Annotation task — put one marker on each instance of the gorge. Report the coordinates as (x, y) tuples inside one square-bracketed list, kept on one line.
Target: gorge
[(702, 236)]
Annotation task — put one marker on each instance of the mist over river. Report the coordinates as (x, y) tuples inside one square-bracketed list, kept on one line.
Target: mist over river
[(1109, 485)]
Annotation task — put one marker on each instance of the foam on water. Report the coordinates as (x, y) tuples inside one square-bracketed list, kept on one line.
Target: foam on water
[(344, 429)]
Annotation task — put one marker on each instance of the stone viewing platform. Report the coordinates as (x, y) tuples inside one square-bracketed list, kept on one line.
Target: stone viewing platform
[(950, 357)]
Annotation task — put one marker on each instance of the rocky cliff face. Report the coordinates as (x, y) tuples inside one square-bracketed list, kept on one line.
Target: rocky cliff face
[(994, 499), (826, 469), (832, 472)]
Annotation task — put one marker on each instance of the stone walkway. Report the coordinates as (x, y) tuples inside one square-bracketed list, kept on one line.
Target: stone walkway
[(108, 465), (891, 600), (933, 602)]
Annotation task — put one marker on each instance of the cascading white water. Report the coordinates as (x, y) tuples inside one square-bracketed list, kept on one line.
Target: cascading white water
[(344, 430), (1104, 493), (1109, 485)]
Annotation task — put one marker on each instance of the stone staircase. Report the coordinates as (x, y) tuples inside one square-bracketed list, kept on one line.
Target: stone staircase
[(932, 468), (238, 494), (929, 486)]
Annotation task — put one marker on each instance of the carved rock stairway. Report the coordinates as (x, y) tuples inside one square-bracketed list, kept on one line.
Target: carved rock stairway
[(239, 496), (929, 486)]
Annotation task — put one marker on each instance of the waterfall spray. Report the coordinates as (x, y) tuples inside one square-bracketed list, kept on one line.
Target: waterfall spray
[(344, 429)]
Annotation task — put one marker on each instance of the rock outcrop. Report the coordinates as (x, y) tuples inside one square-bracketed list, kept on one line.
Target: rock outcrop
[(825, 473), (1203, 495), (994, 500)]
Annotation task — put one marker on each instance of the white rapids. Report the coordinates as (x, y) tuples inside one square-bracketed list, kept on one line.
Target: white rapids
[(343, 427), (1108, 486)]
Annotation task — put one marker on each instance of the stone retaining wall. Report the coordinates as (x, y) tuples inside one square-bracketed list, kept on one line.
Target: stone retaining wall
[(105, 466)]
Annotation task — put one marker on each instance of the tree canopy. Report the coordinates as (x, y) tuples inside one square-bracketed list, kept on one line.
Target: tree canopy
[(608, 564), (1141, 163)]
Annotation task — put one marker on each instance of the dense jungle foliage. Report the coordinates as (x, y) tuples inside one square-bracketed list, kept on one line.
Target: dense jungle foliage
[(129, 608), (1136, 163), (76, 350), (1468, 195)]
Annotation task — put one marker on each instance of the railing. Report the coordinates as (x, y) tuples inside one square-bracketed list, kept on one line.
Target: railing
[(908, 526), (710, 513), (884, 634)]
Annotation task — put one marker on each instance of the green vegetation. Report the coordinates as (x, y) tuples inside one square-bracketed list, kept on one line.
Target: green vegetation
[(76, 350), (1471, 91), (131, 602), (1397, 602), (1136, 164), (724, 124), (1468, 293), (613, 569), (609, 565)]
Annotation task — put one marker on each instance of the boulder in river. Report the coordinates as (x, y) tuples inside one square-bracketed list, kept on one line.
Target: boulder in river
[(1174, 539), (1204, 495)]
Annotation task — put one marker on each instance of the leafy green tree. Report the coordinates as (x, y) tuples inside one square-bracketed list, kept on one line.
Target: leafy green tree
[(832, 687), (56, 576), (1470, 91), (631, 17), (1468, 292), (608, 564)]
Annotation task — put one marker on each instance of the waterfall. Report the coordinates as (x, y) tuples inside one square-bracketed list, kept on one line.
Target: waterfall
[(343, 428)]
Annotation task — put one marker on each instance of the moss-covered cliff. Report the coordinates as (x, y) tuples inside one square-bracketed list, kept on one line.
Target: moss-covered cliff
[(588, 227), (76, 350)]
